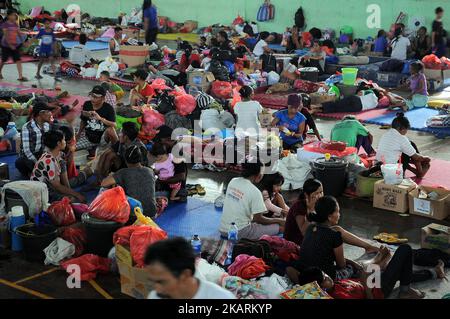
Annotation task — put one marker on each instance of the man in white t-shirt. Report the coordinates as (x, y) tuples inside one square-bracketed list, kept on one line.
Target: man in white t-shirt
[(394, 145), (262, 46), (80, 54), (244, 206), (400, 47), (171, 268)]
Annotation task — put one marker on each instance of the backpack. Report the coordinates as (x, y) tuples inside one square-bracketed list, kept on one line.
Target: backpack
[(300, 18), (269, 63), (266, 12), (219, 71), (257, 248), (223, 55), (165, 103)]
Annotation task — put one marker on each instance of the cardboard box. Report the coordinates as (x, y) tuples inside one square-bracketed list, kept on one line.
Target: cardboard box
[(134, 55), (436, 209), (133, 281), (435, 236), (434, 74), (392, 197), (200, 78), (265, 119)]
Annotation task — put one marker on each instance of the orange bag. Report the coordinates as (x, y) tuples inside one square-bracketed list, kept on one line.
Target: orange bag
[(222, 89), (89, 265), (111, 205), (61, 213), (142, 238), (236, 98)]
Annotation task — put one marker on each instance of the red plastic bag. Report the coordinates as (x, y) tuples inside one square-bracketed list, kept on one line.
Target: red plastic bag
[(185, 104), (431, 61), (153, 119), (76, 236), (236, 98), (239, 20), (61, 213), (222, 90), (122, 235), (142, 238), (111, 205), (89, 265)]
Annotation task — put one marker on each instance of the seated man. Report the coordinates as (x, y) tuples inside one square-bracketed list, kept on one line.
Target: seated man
[(51, 169), (165, 137), (98, 122), (80, 55), (244, 206), (31, 146), (143, 91), (171, 264), (116, 41), (114, 158), (352, 132)]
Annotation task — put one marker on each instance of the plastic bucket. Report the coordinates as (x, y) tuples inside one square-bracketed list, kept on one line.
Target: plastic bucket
[(332, 174), (349, 75), (13, 199), (99, 235), (365, 185), (35, 239)]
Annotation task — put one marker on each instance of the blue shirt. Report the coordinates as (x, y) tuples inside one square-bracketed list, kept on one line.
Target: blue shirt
[(47, 40), (292, 124), (380, 44), (151, 14)]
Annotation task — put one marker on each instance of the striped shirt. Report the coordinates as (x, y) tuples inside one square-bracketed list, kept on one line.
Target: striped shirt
[(391, 146), (32, 145)]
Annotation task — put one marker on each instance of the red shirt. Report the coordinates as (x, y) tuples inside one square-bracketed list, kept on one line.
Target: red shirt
[(353, 289), (146, 91)]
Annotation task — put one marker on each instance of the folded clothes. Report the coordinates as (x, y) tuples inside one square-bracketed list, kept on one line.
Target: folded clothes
[(247, 267)]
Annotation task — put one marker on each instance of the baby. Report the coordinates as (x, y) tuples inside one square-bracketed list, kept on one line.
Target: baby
[(165, 169)]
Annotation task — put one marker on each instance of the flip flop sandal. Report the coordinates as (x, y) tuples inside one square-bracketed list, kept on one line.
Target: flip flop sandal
[(192, 192), (23, 79), (200, 190), (390, 238)]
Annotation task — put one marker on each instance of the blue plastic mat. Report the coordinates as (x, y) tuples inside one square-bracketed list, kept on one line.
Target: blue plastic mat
[(91, 45), (195, 217), (418, 118), (277, 47)]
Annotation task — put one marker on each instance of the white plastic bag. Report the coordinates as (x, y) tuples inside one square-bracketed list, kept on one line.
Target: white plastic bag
[(295, 172), (108, 65), (57, 251), (392, 173), (211, 273), (275, 285), (369, 101), (273, 78)]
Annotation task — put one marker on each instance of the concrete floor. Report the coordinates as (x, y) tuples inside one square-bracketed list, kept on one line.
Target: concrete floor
[(357, 216)]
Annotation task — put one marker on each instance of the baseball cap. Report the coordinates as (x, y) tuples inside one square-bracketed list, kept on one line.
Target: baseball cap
[(163, 132), (98, 91)]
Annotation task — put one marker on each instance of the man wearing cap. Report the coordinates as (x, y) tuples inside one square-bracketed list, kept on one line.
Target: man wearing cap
[(143, 91), (32, 145), (291, 123), (98, 121), (164, 136)]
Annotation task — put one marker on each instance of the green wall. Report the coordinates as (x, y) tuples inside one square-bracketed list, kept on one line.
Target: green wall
[(320, 13)]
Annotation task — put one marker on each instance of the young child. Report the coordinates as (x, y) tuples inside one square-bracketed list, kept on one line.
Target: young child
[(315, 58), (11, 42), (47, 48), (202, 45), (271, 191), (142, 92), (164, 168), (418, 86), (381, 43), (116, 89)]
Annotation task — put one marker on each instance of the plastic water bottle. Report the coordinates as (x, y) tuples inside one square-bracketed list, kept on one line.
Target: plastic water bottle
[(196, 245), (232, 240)]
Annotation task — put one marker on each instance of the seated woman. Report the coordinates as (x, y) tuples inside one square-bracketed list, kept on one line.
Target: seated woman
[(51, 169), (244, 206), (297, 221), (315, 58), (291, 123), (394, 145), (352, 132), (142, 92), (247, 112), (421, 44), (137, 181), (322, 245), (223, 42), (399, 268), (271, 188)]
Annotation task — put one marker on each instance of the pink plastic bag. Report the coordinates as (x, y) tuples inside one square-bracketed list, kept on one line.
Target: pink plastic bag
[(185, 104), (61, 213), (152, 119), (111, 205), (89, 265)]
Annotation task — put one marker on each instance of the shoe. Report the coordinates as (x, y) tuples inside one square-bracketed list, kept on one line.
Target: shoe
[(39, 77), (218, 203)]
